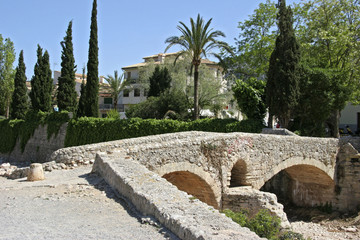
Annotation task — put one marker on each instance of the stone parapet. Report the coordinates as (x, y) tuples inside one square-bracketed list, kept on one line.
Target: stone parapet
[(153, 196)]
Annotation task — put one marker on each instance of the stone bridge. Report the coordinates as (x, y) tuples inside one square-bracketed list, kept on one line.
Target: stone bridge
[(211, 166), (236, 170)]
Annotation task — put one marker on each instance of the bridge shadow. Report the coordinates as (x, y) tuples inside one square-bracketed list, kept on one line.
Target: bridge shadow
[(100, 184)]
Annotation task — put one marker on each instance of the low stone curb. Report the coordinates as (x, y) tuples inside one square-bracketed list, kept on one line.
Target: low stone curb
[(153, 196)]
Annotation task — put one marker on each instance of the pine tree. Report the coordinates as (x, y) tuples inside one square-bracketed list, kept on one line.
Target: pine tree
[(19, 104), (282, 89), (41, 83), (66, 95), (92, 83), (82, 101)]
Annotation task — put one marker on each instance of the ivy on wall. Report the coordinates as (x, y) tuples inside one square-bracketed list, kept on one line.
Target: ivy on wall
[(23, 130)]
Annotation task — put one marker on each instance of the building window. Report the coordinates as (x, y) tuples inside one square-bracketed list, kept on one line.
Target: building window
[(145, 93), (108, 100), (136, 92), (128, 75), (126, 93)]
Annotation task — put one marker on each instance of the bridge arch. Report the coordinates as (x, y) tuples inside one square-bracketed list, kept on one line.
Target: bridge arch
[(238, 174), (304, 182), (329, 171), (193, 180)]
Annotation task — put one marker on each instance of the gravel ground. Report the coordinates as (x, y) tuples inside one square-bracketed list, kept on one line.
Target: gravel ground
[(69, 204), (74, 204)]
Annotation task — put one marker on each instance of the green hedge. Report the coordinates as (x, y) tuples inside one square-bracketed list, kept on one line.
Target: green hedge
[(93, 130), (12, 130)]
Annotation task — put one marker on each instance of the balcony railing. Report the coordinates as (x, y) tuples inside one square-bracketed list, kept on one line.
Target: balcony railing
[(119, 107)]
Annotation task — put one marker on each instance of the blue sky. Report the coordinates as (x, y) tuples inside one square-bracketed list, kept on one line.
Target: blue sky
[(127, 30)]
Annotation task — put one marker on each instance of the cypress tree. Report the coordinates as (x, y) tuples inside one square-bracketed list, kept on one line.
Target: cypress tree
[(165, 80), (66, 95), (19, 104), (47, 83), (154, 89), (282, 88), (160, 81), (92, 82), (82, 101), (36, 88), (41, 83)]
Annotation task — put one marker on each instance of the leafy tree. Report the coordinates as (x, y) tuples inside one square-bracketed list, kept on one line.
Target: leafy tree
[(255, 43), (7, 73), (92, 83), (117, 84), (212, 92), (82, 101), (170, 101), (19, 104), (282, 88), (330, 40), (197, 41), (250, 97), (41, 83), (66, 95), (159, 81), (319, 87)]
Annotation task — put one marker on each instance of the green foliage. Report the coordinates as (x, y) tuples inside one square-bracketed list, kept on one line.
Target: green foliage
[(282, 87), (240, 218), (159, 81), (264, 224), (22, 130), (19, 104), (7, 58), (41, 83), (92, 79), (93, 130), (248, 125), (250, 97), (289, 235), (319, 87), (113, 114), (157, 107), (66, 94), (80, 112), (255, 43)]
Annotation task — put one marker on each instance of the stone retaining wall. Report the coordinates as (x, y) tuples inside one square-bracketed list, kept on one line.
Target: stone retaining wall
[(38, 148), (153, 196)]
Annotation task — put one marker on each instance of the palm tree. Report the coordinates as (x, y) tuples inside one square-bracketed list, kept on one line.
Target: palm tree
[(117, 84), (197, 42)]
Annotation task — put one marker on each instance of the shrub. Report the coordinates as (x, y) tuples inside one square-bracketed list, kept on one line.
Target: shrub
[(289, 235), (113, 113), (264, 224)]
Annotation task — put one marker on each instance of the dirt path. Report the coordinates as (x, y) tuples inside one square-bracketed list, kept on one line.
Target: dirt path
[(69, 204)]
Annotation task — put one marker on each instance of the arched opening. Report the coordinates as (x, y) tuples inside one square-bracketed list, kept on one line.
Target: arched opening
[(194, 185), (301, 186), (238, 174)]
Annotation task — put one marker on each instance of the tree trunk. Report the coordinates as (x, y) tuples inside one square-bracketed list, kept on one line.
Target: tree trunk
[(334, 123), (270, 121), (196, 92)]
